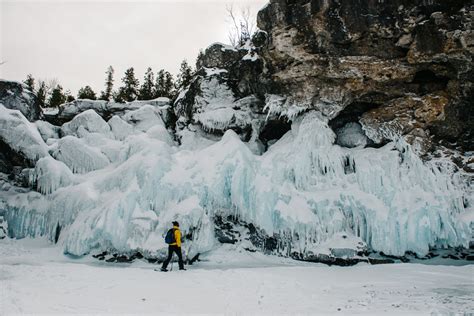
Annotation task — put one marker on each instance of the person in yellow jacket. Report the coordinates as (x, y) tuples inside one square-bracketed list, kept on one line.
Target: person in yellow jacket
[(174, 247)]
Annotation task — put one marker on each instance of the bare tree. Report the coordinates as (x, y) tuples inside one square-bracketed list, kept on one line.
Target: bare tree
[(242, 25)]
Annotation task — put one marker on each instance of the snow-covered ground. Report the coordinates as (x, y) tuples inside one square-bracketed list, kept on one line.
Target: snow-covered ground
[(36, 278)]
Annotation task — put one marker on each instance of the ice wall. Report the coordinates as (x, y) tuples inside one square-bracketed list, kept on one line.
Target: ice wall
[(304, 187)]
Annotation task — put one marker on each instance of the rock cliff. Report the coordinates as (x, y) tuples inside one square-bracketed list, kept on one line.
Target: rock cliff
[(396, 67)]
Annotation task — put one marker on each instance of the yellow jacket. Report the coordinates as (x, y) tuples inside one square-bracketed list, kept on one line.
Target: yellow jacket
[(177, 237)]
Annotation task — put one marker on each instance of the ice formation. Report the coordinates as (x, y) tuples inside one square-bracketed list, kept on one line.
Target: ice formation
[(131, 179), (86, 122), (79, 156), (21, 135), (351, 135), (50, 174), (120, 128), (47, 130)]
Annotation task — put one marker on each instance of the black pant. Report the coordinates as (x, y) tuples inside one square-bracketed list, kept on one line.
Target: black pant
[(171, 249)]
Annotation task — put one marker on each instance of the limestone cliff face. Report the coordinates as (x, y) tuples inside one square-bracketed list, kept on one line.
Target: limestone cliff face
[(397, 67)]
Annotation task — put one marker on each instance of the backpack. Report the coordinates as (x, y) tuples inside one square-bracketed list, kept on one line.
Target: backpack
[(169, 238)]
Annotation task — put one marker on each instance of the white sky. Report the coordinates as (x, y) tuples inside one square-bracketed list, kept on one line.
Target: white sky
[(75, 41)]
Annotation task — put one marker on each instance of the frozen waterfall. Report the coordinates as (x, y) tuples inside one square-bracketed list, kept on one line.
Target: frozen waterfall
[(108, 190)]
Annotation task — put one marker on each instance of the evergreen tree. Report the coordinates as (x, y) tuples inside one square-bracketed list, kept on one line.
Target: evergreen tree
[(109, 84), (199, 59), (129, 91), (159, 84), (119, 96), (57, 97), (30, 82), (86, 93), (41, 93), (164, 86), (168, 87), (185, 75), (147, 89), (69, 96)]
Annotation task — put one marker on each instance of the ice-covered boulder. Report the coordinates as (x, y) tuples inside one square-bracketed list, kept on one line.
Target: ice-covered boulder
[(16, 96), (120, 129), (50, 174), (86, 122), (78, 156), (143, 118), (17, 133), (341, 245), (48, 130), (161, 133), (71, 109), (351, 135)]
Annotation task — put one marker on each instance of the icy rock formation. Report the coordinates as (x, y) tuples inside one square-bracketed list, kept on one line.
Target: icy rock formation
[(410, 63), (50, 174), (302, 193), (16, 96), (86, 122), (144, 118), (106, 109), (48, 130), (351, 135), (79, 156), (20, 135), (120, 129), (224, 93)]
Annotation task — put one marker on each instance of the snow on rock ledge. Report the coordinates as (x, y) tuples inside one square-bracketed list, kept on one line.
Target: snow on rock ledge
[(105, 109), (21, 135), (143, 118)]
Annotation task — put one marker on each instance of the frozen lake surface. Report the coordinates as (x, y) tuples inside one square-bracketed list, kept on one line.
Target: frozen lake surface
[(36, 278)]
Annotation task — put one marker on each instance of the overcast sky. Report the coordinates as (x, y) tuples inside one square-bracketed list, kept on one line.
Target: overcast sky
[(75, 41)]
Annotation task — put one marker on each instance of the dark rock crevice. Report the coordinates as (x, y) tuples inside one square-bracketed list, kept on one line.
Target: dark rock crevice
[(273, 130), (426, 81)]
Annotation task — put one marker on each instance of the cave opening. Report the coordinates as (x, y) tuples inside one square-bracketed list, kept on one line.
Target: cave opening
[(349, 132), (351, 113), (427, 81), (274, 130)]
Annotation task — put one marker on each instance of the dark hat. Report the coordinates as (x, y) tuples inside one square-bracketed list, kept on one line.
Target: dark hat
[(175, 223)]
